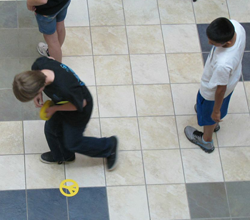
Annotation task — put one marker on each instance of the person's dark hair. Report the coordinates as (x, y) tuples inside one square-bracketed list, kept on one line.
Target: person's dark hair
[(26, 85), (220, 30)]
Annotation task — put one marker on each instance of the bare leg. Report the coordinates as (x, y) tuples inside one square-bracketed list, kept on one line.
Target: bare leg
[(61, 32), (208, 132)]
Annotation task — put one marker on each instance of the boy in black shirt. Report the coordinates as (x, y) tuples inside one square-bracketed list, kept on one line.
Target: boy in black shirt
[(50, 15), (64, 130)]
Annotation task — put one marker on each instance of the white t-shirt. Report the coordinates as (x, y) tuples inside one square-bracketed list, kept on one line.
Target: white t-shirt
[(224, 66)]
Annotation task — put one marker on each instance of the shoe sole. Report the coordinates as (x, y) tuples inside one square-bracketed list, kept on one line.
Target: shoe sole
[(116, 153), (206, 150), (56, 162)]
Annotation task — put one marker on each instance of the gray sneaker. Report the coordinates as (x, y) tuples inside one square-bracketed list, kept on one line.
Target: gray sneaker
[(43, 49), (217, 128), (195, 137)]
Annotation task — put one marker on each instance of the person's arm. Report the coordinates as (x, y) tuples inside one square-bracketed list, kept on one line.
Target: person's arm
[(32, 3), (219, 96)]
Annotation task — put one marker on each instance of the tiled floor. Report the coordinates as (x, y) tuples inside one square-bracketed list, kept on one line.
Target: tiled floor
[(142, 61)]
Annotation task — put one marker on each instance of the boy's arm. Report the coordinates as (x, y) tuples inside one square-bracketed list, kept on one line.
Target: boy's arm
[(219, 96), (32, 3)]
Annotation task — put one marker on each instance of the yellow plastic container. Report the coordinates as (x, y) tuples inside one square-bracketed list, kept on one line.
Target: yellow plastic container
[(43, 114)]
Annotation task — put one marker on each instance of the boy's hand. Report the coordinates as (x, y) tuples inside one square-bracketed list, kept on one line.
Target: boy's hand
[(50, 111), (31, 7), (216, 116), (38, 100)]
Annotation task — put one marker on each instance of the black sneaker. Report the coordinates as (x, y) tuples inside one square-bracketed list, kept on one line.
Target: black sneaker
[(48, 158), (217, 128), (112, 159)]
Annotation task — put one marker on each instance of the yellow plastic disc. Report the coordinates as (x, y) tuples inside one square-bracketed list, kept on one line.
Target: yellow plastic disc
[(43, 114)]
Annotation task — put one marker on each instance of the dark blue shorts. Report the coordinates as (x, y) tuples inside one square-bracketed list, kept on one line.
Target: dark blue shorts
[(205, 109), (47, 23)]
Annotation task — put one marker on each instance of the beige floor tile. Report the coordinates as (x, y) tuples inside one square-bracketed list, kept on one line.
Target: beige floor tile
[(126, 129), (158, 133), (176, 12), (129, 170), (168, 202), (238, 102), (163, 166), (86, 171), (247, 89), (184, 96), (11, 141), (40, 175), (116, 101), (145, 39), (95, 112), (128, 202), (93, 128), (149, 69), (239, 10), (185, 68), (153, 100), (34, 138), (112, 70), (236, 163), (182, 122), (177, 38), (83, 67), (141, 12), (213, 10), (12, 172), (77, 42), (231, 127), (109, 40), (77, 14), (106, 12), (202, 167)]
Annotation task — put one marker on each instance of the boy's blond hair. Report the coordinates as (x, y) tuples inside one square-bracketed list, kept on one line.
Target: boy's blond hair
[(26, 85)]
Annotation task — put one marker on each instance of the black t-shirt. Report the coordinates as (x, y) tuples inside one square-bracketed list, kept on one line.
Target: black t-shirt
[(51, 7), (66, 87)]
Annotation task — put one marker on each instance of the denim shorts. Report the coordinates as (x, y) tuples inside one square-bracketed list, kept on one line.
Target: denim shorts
[(205, 109), (47, 23)]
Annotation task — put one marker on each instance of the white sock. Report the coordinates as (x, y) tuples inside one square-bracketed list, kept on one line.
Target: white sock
[(206, 142)]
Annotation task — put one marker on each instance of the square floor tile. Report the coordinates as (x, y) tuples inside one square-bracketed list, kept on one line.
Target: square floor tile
[(246, 66), (116, 101), (184, 96), (12, 172), (239, 197), (129, 170), (238, 102), (90, 203), (247, 29), (229, 136), (247, 89), (95, 111), (163, 166), (141, 12), (40, 175), (11, 141), (176, 12), (93, 128), (77, 42), (145, 39), (177, 38), (83, 67), (106, 12), (236, 163), (144, 65), (182, 122), (112, 70), (158, 133), (207, 200), (153, 100), (185, 68), (29, 111), (168, 202), (109, 40), (235, 6), (86, 171), (26, 19), (194, 161), (34, 138), (77, 14), (128, 202), (9, 47), (205, 46), (50, 205), (126, 129), (13, 205), (213, 10), (8, 12)]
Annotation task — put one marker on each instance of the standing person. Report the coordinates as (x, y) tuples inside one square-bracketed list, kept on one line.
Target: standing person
[(64, 130), (50, 15), (221, 74)]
